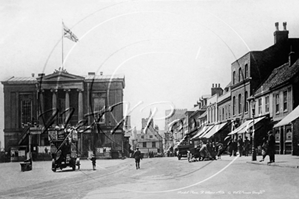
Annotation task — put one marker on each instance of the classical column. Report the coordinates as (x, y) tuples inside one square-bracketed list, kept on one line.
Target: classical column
[(41, 102), (67, 98), (80, 117), (54, 99), (80, 105)]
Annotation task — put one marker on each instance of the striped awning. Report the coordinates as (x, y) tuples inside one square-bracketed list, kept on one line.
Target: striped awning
[(202, 131), (214, 130), (243, 128), (289, 118)]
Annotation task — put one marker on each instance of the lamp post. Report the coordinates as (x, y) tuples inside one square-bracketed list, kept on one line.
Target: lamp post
[(252, 102)]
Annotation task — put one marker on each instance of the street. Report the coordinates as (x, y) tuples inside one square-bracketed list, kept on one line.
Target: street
[(167, 177)]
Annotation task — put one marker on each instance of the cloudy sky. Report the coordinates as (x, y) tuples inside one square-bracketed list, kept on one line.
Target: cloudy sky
[(170, 52)]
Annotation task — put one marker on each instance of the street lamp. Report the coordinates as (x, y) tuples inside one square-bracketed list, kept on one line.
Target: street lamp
[(252, 102)]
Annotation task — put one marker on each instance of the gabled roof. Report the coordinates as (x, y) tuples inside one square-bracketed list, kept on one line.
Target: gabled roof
[(279, 76)]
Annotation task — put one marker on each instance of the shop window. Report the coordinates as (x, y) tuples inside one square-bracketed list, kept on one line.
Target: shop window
[(277, 136), (288, 134)]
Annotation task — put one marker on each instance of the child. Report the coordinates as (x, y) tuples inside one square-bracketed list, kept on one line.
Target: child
[(93, 159)]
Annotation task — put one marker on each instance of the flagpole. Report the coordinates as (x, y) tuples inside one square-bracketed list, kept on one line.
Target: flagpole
[(62, 46)]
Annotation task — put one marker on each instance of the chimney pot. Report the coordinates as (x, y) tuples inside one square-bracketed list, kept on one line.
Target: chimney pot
[(32, 74), (276, 25), (284, 25), (216, 85), (212, 85), (219, 85)]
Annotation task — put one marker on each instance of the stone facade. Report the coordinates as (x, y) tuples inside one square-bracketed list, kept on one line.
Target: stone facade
[(31, 101)]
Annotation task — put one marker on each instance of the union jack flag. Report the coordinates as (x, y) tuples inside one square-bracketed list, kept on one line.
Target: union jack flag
[(68, 33)]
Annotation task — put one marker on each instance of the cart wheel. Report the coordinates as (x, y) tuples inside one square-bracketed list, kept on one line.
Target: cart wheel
[(53, 165)]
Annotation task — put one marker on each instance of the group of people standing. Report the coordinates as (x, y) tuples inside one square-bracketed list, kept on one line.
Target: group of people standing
[(268, 147), (241, 146)]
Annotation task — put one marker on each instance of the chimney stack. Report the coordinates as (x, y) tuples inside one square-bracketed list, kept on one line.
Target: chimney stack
[(32, 74), (280, 35), (216, 90), (101, 73)]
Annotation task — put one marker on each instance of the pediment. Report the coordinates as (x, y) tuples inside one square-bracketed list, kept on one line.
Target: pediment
[(62, 76)]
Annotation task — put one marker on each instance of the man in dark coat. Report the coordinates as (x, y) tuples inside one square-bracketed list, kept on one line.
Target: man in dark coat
[(137, 156), (240, 146), (271, 146)]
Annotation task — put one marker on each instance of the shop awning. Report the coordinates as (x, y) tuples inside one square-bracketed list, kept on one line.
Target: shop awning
[(203, 131), (245, 126), (214, 130), (289, 118)]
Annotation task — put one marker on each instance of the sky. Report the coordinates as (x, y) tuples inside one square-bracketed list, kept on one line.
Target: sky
[(170, 52)]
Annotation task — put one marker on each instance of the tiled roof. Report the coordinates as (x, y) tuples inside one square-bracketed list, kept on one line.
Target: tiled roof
[(279, 76)]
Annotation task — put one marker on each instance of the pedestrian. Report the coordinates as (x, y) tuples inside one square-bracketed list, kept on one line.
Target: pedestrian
[(271, 146), (264, 149), (137, 156), (93, 159), (219, 148), (246, 146), (240, 144), (233, 148)]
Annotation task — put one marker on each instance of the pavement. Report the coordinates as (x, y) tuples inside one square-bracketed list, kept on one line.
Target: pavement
[(280, 160)]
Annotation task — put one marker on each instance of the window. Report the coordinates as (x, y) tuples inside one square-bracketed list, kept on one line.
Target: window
[(150, 136), (223, 111), (153, 144), (267, 104), (26, 111), (240, 103), (240, 75), (142, 137), (285, 101), (233, 106), (99, 104), (144, 144), (246, 102), (277, 103), (233, 77), (259, 106), (246, 71)]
